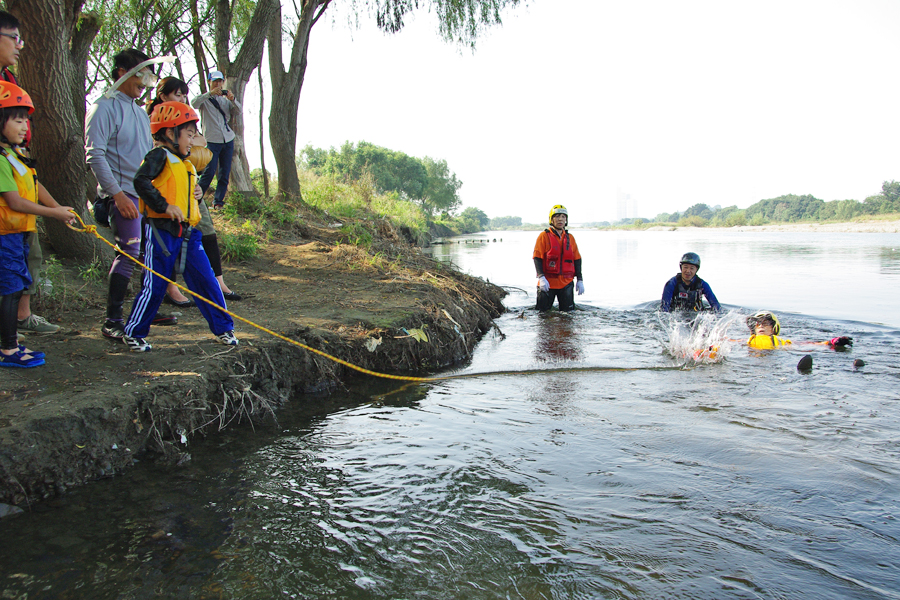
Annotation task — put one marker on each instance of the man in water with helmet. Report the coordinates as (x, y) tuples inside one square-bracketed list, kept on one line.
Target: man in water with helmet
[(685, 291), (557, 263)]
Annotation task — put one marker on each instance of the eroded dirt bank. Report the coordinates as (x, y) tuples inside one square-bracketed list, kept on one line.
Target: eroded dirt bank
[(94, 406)]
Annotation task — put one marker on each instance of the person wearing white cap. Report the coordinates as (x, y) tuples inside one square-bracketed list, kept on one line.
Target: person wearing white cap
[(217, 111)]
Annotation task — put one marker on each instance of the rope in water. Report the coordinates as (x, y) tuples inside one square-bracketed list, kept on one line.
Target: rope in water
[(93, 229)]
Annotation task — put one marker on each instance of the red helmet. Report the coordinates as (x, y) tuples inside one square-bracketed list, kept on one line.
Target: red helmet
[(171, 114), (12, 96)]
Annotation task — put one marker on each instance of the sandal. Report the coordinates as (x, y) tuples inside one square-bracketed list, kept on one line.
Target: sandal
[(33, 353), (17, 359)]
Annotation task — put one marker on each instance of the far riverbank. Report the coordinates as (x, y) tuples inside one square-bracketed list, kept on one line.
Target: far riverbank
[(851, 227)]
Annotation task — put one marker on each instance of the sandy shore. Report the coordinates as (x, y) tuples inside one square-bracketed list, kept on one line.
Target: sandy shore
[(853, 227)]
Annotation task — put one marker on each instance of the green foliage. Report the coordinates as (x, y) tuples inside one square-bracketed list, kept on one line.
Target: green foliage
[(699, 210), (358, 234), (426, 181), (473, 219), (359, 200), (238, 246), (692, 221), (461, 21), (788, 209), (504, 222), (241, 205), (156, 27), (92, 271)]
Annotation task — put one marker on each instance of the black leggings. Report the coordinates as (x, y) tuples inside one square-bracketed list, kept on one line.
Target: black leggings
[(566, 297), (9, 315)]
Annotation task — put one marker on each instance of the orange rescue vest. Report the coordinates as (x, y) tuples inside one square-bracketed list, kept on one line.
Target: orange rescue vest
[(25, 176)]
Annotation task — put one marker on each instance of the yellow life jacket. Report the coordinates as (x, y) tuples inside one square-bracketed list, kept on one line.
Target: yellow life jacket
[(13, 221), (766, 342), (176, 184)]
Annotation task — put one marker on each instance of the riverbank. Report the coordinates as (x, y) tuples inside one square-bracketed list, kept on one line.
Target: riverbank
[(95, 406), (872, 226)]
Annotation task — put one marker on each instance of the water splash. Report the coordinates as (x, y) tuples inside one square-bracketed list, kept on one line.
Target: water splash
[(702, 339)]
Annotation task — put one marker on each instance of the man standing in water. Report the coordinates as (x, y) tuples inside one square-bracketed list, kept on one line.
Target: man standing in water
[(557, 263), (685, 291)]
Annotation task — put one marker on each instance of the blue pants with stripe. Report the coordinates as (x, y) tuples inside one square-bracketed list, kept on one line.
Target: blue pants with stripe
[(198, 276)]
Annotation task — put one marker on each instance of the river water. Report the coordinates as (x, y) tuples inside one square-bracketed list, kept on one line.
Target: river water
[(610, 466)]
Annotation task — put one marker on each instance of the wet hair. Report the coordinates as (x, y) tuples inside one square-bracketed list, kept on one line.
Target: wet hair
[(127, 59), (167, 85), (8, 21)]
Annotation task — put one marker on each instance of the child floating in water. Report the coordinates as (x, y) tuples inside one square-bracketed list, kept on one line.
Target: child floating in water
[(764, 329)]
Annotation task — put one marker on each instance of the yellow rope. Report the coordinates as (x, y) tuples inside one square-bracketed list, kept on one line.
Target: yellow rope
[(93, 229)]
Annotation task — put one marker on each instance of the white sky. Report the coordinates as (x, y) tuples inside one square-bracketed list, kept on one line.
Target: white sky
[(572, 101)]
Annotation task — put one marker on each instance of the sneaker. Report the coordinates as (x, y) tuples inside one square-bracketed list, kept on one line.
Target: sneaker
[(36, 324), (232, 296), (18, 360), (114, 330), (137, 344), (228, 338), (164, 320)]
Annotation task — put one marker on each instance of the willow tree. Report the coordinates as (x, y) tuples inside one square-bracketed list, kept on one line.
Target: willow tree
[(52, 69), (238, 71), (460, 21)]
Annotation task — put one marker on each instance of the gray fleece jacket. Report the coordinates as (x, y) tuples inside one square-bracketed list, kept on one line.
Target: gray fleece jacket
[(116, 139)]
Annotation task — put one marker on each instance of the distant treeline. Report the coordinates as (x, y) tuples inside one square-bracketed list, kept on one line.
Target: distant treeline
[(783, 209)]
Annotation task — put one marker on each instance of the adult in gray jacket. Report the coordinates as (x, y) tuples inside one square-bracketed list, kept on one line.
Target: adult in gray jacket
[(116, 138), (217, 110)]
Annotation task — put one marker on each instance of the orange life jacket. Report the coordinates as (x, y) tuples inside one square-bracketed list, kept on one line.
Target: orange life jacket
[(560, 259)]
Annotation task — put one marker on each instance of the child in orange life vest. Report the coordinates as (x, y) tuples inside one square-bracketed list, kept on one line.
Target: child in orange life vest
[(166, 183), (21, 198), (764, 329), (557, 263)]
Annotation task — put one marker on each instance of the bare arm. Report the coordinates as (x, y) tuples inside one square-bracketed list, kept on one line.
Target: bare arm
[(20, 204)]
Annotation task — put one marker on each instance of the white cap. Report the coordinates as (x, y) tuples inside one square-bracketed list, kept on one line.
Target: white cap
[(214, 75)]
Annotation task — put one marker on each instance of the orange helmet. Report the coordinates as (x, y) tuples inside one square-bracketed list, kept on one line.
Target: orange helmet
[(12, 96), (171, 114)]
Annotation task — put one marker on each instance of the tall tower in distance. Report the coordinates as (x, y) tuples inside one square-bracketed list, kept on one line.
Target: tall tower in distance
[(626, 206)]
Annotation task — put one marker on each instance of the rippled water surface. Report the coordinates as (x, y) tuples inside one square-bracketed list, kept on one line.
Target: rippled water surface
[(614, 468)]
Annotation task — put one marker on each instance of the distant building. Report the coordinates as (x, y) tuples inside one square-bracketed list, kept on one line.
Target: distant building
[(626, 206)]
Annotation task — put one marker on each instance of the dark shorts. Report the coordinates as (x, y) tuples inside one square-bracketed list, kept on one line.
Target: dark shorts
[(565, 295)]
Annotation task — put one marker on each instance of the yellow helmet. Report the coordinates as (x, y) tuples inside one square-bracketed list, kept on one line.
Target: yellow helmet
[(763, 315), (559, 209)]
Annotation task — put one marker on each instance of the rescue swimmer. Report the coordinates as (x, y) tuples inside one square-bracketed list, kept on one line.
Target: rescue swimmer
[(557, 263), (685, 292)]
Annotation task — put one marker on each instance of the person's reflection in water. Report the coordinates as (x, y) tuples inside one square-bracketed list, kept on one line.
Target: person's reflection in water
[(557, 339)]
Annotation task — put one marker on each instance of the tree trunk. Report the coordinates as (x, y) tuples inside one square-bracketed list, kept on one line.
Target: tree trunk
[(238, 73), (286, 87), (53, 70)]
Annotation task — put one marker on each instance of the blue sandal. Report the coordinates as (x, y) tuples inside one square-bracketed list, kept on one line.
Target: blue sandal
[(33, 353), (18, 360)]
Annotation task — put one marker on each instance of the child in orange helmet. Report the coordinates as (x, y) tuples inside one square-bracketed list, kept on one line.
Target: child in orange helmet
[(166, 183), (21, 198)]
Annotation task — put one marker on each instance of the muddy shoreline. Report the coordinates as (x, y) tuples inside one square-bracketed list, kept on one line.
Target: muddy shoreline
[(95, 407)]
